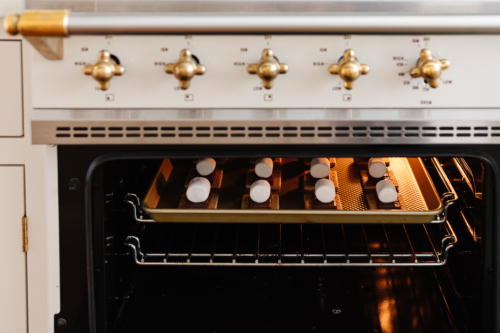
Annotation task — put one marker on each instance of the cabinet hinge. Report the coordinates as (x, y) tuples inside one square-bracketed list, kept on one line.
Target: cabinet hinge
[(25, 233)]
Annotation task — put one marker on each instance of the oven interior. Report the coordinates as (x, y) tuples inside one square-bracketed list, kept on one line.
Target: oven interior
[(288, 277)]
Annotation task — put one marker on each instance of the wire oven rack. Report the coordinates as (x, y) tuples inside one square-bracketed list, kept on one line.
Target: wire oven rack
[(295, 245), (228, 244)]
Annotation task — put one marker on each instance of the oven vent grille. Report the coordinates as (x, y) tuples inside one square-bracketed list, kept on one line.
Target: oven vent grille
[(269, 132), (294, 245)]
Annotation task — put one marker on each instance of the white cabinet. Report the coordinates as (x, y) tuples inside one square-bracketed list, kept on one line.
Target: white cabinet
[(11, 89), (11, 6), (13, 316)]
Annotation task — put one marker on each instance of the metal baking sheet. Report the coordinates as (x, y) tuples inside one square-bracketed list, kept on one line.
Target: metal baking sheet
[(415, 185)]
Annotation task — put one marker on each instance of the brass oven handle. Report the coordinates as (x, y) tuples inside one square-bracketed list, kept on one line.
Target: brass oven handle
[(63, 23), (40, 27), (46, 23)]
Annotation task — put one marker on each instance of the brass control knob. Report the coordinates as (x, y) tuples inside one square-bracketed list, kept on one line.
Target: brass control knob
[(267, 68), (429, 68), (185, 69), (349, 69), (104, 69)]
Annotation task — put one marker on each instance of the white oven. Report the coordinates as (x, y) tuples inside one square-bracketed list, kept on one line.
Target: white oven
[(120, 108)]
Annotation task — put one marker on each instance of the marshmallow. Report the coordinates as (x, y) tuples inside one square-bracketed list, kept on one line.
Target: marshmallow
[(376, 167), (264, 167), (198, 189), (386, 191), (205, 166), (320, 167), (260, 191), (325, 190)]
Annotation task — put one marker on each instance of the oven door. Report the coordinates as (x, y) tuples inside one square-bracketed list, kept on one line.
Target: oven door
[(361, 276)]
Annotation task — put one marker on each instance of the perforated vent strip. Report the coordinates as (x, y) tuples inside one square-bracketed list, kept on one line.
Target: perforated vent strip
[(277, 132)]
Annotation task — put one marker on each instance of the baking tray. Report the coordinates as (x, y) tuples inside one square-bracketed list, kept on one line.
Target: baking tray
[(423, 203)]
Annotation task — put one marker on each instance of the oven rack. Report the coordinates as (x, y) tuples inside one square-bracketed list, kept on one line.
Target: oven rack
[(328, 245)]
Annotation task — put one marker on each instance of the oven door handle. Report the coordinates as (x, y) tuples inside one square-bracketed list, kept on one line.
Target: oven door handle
[(63, 23), (45, 29)]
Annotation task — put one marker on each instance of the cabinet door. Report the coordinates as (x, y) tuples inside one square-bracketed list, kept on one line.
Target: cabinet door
[(11, 86), (13, 317)]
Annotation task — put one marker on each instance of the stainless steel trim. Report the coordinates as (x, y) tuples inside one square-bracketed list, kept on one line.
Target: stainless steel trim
[(154, 23), (266, 126)]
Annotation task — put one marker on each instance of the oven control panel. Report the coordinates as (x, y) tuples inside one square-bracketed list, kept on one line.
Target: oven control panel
[(270, 71)]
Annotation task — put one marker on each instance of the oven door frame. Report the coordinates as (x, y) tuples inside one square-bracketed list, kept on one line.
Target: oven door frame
[(84, 162)]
